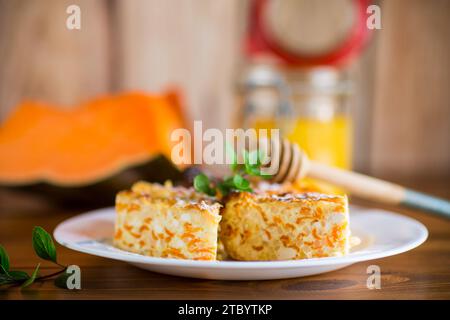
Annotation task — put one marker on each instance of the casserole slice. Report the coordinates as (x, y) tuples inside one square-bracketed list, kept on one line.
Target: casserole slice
[(165, 221), (270, 226)]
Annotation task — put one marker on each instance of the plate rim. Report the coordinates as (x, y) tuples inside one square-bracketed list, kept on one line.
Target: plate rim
[(130, 257)]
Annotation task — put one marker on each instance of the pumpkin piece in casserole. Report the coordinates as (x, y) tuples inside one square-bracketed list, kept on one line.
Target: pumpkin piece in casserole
[(265, 226), (165, 221)]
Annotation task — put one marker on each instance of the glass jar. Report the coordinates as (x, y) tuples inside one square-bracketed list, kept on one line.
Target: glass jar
[(322, 123), (266, 99), (310, 107)]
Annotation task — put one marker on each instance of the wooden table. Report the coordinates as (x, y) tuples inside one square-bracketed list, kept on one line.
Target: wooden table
[(423, 273)]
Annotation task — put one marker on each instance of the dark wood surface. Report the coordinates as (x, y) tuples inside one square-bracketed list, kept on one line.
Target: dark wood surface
[(423, 273)]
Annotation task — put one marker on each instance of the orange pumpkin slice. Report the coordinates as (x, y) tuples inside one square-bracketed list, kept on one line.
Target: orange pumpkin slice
[(40, 142)]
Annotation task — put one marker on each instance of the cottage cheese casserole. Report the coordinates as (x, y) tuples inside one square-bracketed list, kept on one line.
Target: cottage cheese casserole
[(167, 222), (175, 222), (269, 226)]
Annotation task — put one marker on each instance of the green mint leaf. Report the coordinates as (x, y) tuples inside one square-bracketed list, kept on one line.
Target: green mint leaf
[(240, 182), (4, 259), (32, 278), (5, 279), (252, 170), (247, 189), (223, 188), (226, 186), (3, 270), (43, 244), (8, 277), (19, 275), (61, 280), (202, 184), (251, 163), (229, 182)]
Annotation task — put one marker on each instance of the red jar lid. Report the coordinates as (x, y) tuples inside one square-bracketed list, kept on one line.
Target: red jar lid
[(342, 36)]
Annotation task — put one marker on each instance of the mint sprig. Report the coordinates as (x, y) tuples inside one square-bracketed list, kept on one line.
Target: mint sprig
[(44, 248), (238, 181)]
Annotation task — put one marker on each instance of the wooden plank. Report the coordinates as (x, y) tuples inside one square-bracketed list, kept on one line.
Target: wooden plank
[(411, 118), (42, 59), (362, 75), (192, 44)]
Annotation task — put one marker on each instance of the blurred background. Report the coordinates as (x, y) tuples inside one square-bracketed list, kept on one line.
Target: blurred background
[(376, 100)]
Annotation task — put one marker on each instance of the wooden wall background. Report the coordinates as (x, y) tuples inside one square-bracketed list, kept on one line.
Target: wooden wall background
[(402, 108)]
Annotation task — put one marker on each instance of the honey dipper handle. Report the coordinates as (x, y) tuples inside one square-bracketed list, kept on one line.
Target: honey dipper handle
[(378, 190)]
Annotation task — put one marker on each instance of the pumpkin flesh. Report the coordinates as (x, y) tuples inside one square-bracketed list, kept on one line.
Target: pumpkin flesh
[(88, 143)]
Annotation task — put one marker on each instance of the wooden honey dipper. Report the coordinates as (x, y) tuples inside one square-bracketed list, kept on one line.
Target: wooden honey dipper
[(294, 165)]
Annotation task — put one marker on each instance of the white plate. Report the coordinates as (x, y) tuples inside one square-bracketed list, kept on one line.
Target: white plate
[(382, 233)]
